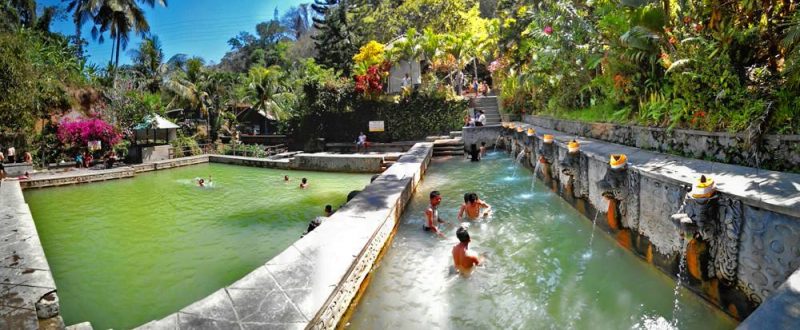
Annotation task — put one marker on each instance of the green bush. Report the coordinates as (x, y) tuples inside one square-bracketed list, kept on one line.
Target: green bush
[(186, 146), (333, 111), (249, 150)]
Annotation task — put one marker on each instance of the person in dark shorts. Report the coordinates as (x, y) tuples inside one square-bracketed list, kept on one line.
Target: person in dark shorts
[(432, 214)]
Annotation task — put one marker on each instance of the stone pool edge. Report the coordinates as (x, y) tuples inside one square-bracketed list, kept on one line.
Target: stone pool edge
[(349, 163), (312, 282), (28, 298)]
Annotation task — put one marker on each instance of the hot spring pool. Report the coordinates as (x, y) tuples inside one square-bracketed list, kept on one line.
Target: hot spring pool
[(540, 270), (128, 251)]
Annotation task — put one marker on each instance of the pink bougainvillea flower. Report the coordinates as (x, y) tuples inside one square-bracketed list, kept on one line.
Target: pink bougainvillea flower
[(80, 132), (548, 30)]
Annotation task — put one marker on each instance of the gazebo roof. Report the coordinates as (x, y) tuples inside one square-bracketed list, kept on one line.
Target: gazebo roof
[(154, 121)]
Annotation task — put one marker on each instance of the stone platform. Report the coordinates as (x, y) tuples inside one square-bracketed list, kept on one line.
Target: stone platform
[(28, 297)]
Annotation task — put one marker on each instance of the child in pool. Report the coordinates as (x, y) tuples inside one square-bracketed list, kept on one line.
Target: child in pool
[(473, 207)]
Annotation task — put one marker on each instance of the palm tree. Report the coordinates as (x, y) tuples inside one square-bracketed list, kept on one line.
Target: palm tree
[(82, 11), (149, 62), (119, 18), (184, 83), (268, 92), (408, 49)]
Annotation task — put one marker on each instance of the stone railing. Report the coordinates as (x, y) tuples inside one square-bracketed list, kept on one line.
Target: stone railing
[(741, 253), (775, 152)]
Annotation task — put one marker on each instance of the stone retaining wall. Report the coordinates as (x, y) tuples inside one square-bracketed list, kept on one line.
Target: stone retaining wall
[(737, 260), (311, 283), (339, 163), (17, 169), (62, 179), (778, 152), (28, 298), (170, 163), (477, 135)]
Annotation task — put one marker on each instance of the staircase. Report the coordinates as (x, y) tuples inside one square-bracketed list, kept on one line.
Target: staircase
[(489, 106), (447, 145)]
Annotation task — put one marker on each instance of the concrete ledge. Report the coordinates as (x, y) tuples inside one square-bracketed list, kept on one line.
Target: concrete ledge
[(339, 162), (170, 163), (61, 179), (17, 169), (778, 152), (250, 161), (311, 284), (27, 288)]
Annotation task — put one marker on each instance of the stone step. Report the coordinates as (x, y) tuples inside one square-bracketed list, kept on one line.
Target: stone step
[(448, 153), (391, 158), (447, 143), (448, 148), (455, 134), (435, 138)]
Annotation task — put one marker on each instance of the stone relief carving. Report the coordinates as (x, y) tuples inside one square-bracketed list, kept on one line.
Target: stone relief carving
[(629, 209), (725, 240), (769, 251)]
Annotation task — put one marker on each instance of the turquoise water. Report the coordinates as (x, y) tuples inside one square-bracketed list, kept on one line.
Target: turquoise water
[(128, 251), (540, 270)]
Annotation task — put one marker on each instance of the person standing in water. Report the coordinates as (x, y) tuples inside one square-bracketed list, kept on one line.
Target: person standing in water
[(464, 259), (432, 214), (201, 182), (285, 178), (473, 207), (304, 183)]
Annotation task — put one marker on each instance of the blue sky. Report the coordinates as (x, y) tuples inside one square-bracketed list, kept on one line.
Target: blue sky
[(194, 27)]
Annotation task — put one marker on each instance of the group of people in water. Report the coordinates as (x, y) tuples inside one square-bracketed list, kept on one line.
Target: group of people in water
[(473, 209)]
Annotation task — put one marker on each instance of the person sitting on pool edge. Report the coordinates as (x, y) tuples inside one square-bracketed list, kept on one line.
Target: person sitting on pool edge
[(304, 183), (464, 259), (432, 214), (472, 206)]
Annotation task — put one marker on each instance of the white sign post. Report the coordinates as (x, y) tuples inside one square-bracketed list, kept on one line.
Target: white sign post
[(376, 126)]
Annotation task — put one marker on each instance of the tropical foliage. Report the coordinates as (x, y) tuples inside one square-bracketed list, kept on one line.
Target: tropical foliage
[(696, 64)]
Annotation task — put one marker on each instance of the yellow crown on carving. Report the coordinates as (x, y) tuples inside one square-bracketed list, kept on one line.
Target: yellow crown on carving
[(531, 132), (547, 138), (573, 146), (520, 129), (618, 160), (704, 188)]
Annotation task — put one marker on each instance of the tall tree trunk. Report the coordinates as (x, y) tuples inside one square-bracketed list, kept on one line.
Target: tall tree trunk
[(111, 60), (116, 61), (78, 43)]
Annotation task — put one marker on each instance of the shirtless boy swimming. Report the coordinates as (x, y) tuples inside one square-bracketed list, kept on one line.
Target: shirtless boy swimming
[(463, 258), (432, 219), (473, 207)]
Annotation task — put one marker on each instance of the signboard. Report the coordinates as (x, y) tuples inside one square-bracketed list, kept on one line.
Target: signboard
[(376, 126), (94, 145)]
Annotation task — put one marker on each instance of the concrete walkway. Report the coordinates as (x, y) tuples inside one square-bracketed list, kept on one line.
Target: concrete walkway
[(25, 279)]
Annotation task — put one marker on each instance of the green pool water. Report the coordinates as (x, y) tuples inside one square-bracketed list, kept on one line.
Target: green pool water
[(128, 251), (541, 272)]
